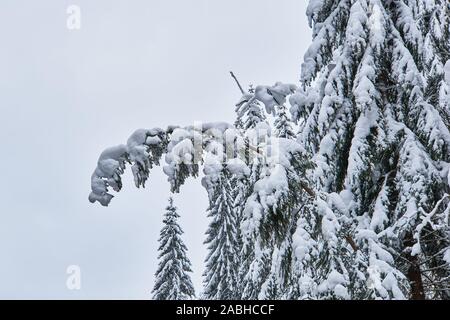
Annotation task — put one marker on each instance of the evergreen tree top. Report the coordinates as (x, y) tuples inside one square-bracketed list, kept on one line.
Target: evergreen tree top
[(172, 276)]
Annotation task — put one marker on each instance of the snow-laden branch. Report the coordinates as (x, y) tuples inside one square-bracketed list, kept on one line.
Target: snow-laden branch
[(143, 149), (183, 148), (217, 145)]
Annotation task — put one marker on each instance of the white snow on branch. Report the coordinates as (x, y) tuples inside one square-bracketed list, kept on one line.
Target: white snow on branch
[(447, 72)]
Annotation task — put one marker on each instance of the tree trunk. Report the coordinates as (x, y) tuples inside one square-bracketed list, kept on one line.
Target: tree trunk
[(414, 273)]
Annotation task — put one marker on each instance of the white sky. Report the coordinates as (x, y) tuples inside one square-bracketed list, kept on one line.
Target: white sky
[(66, 95)]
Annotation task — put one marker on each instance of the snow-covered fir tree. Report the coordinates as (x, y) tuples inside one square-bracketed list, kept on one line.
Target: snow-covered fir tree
[(222, 262), (381, 145), (283, 126), (357, 204), (173, 281)]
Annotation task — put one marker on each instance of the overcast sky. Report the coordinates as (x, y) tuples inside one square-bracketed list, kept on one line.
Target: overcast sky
[(65, 95)]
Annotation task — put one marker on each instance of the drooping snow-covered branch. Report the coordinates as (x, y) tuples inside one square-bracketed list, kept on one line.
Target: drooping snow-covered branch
[(214, 144), (143, 149), (184, 149)]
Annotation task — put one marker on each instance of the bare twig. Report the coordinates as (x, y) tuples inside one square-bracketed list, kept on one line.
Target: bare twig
[(237, 82)]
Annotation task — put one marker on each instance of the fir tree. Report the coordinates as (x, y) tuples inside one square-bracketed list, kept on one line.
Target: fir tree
[(283, 126), (269, 221), (379, 137), (172, 276), (222, 261)]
